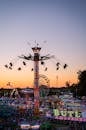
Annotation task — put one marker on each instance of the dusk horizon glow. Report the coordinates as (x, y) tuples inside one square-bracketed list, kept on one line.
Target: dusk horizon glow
[(62, 24)]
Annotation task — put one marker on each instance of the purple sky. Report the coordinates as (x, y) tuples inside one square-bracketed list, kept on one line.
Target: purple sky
[(62, 23)]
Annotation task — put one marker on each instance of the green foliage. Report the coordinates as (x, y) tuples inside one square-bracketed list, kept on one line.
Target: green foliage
[(46, 126), (6, 111)]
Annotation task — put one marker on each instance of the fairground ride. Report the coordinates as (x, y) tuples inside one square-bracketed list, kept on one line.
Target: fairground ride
[(36, 58)]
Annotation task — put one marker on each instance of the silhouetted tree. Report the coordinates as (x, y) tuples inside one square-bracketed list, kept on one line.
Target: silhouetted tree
[(82, 83), (67, 83)]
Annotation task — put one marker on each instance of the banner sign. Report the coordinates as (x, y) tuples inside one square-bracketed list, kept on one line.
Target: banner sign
[(69, 115)]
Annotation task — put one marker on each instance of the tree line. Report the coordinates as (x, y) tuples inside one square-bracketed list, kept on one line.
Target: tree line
[(78, 89)]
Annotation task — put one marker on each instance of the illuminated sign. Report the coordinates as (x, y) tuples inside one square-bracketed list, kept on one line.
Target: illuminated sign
[(25, 126), (67, 113)]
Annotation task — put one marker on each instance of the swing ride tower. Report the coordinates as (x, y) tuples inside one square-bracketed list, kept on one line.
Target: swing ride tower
[(36, 51), (36, 58)]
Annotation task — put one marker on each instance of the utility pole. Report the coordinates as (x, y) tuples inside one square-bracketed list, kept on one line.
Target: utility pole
[(56, 81)]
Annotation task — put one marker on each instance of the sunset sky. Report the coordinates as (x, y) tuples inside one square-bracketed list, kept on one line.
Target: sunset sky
[(61, 23)]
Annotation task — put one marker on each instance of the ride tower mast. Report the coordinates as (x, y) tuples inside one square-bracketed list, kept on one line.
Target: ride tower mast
[(36, 59)]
